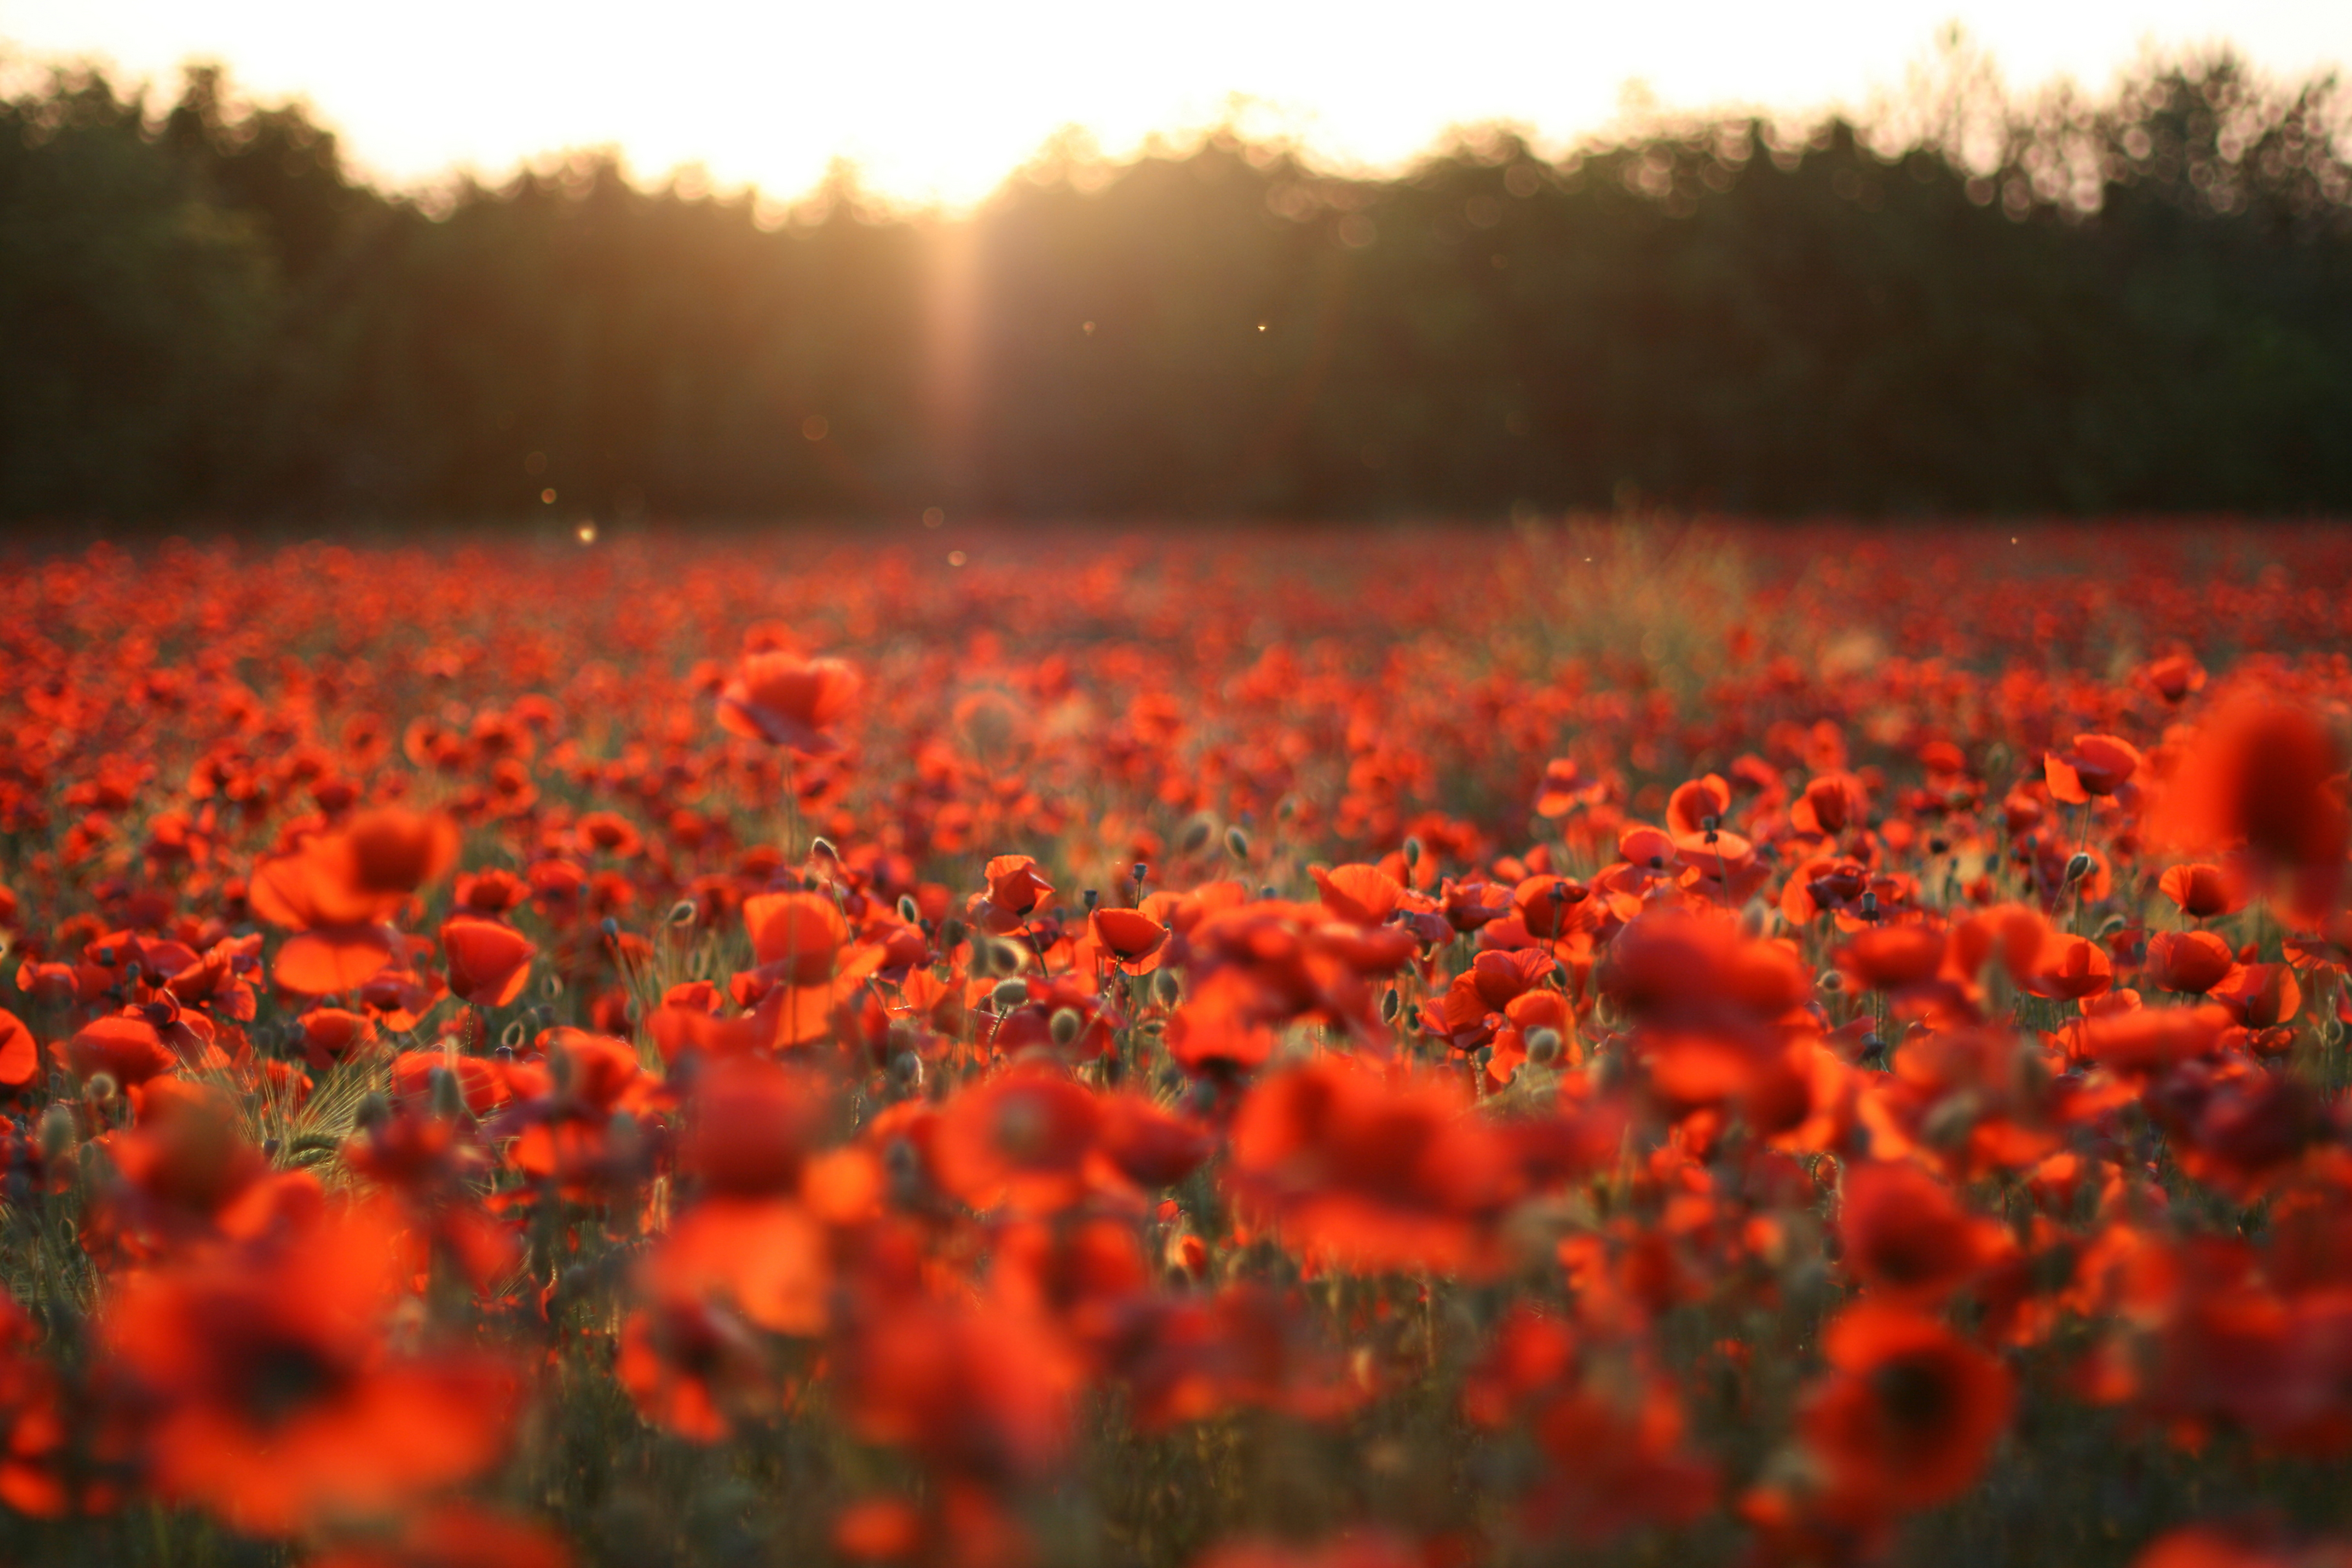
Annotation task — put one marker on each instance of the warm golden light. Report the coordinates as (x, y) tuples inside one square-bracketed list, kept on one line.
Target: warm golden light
[(937, 102)]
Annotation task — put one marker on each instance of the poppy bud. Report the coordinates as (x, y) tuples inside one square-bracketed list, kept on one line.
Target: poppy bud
[(681, 913), (1196, 833), (1543, 1047), (1390, 1002), (1140, 869), (513, 1035), (101, 1088), (1869, 905), (2111, 925), (908, 1068), (1009, 994), (1755, 919), (373, 1111), (1830, 980), (269, 1147), (951, 934), (562, 1070), (1164, 989), (57, 1134), (909, 910), (1004, 958), (610, 927), (1064, 1025), (1266, 891), (823, 845), (1094, 900), (2078, 868), (448, 1100), (1411, 853), (1237, 844)]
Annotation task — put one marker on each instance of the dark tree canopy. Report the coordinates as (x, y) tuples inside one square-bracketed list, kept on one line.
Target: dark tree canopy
[(2140, 304)]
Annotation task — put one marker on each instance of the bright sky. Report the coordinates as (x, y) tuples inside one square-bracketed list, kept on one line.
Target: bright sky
[(941, 99)]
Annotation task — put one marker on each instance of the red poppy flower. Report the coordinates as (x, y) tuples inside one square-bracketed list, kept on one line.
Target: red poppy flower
[(795, 935), (2069, 969), (124, 1046), (2201, 891), (1360, 895), (1563, 789), (1376, 1177), (765, 1258), (20, 1053), (1130, 936), (1894, 958), (1021, 1139), (1908, 1238), (2095, 765), (787, 701), (749, 1126), (2265, 775), (2188, 961), (2174, 678), (490, 960), (1909, 1411), (2260, 995), (275, 1404)]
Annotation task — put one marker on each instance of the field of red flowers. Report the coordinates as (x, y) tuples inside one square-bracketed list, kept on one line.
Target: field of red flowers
[(1619, 1042)]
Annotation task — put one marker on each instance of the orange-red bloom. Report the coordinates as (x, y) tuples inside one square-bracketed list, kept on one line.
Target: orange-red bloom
[(1908, 1413), (787, 701)]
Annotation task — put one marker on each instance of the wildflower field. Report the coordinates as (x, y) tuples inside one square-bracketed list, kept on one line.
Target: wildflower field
[(1618, 1041)]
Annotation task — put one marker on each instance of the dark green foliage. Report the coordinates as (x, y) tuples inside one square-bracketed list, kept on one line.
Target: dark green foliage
[(2146, 305)]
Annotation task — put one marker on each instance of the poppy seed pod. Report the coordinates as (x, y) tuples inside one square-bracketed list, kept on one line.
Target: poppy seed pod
[(1830, 980), (57, 1134), (1411, 853)]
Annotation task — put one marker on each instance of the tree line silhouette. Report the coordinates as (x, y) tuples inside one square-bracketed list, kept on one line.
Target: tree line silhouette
[(2141, 303)]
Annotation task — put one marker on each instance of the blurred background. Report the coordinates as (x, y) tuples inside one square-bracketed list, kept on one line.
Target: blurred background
[(1943, 294)]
